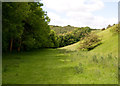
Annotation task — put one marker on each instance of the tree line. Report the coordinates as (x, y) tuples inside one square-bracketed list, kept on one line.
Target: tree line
[(71, 37), (24, 26)]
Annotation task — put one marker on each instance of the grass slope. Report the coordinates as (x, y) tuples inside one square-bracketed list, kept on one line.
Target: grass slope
[(109, 43), (66, 65), (72, 47)]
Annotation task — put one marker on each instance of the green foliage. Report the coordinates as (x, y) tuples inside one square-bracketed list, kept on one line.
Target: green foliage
[(13, 15), (25, 26), (90, 41), (29, 42), (53, 39), (62, 30), (66, 39), (72, 37), (36, 25)]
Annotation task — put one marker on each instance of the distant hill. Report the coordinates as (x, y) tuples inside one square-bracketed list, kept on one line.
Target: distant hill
[(62, 30), (66, 29)]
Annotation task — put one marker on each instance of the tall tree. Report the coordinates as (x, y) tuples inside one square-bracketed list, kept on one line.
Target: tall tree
[(24, 25), (13, 15), (36, 30)]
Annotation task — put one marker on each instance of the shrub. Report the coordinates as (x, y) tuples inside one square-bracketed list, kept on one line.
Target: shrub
[(79, 69), (103, 29), (90, 41), (109, 56), (113, 24), (108, 26), (95, 59)]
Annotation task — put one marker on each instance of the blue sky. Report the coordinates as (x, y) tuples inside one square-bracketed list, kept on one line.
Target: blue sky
[(93, 13), (110, 10)]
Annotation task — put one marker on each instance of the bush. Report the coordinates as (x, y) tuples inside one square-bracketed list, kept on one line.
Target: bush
[(79, 69), (108, 26), (95, 59), (116, 29), (109, 56), (90, 41), (103, 29)]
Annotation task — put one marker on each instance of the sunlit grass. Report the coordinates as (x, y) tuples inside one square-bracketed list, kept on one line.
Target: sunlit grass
[(57, 67), (67, 65)]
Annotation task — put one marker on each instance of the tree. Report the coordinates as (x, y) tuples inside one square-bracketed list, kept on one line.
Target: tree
[(53, 39), (13, 15), (25, 25)]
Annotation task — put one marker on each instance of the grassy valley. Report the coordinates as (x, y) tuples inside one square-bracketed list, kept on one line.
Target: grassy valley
[(66, 65), (35, 52)]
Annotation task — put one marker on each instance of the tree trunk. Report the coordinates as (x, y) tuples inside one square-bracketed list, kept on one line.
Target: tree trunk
[(11, 45), (19, 46)]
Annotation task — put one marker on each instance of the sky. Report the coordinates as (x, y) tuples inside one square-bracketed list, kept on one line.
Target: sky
[(96, 14)]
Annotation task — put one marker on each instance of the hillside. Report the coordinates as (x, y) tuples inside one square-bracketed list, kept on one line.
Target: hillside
[(109, 42), (66, 29), (62, 30)]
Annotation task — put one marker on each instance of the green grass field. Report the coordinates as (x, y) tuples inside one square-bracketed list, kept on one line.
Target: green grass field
[(67, 65)]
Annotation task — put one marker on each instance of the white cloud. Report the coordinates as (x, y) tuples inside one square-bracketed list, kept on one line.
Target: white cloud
[(73, 5), (76, 13), (110, 0), (100, 22)]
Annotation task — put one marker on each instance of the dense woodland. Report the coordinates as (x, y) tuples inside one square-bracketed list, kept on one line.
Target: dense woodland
[(25, 27)]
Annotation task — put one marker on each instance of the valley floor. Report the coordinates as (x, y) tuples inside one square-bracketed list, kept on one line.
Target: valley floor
[(59, 66)]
